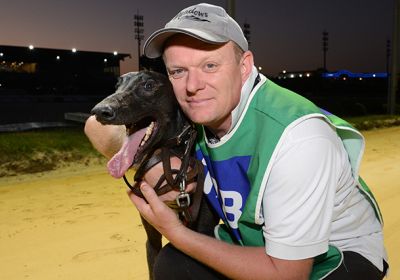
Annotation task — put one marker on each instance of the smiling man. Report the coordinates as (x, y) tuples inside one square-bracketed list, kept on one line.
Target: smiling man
[(281, 173)]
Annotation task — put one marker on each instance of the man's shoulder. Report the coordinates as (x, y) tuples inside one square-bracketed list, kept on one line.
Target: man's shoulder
[(280, 104)]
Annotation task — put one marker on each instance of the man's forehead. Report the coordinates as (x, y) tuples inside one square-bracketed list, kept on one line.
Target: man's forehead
[(176, 49), (181, 39)]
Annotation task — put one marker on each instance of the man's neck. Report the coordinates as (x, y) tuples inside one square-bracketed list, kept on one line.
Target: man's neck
[(220, 130), (247, 88)]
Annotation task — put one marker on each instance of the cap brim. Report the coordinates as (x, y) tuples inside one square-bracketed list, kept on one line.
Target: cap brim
[(154, 45)]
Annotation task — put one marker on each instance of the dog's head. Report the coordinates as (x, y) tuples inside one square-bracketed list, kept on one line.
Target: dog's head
[(145, 103)]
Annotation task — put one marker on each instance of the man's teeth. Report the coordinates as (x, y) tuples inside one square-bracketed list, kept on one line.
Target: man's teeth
[(148, 133)]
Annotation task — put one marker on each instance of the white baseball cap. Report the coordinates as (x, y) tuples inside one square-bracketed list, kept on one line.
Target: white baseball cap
[(206, 22)]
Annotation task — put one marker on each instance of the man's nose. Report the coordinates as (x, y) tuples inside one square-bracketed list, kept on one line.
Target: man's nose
[(194, 82)]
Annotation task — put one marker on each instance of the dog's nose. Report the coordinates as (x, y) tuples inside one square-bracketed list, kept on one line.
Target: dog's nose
[(105, 113)]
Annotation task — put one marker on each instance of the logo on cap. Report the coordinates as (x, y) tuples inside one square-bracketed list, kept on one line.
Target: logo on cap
[(192, 14)]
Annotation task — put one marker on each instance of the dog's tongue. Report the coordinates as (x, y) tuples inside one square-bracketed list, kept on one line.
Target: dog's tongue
[(121, 161)]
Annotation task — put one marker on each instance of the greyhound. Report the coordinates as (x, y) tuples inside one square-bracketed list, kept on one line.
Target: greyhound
[(157, 129)]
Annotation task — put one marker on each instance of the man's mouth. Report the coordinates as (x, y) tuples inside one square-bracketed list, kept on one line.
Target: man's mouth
[(199, 102)]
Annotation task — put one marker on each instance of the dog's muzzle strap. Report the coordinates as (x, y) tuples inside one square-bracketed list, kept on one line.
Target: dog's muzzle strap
[(176, 179)]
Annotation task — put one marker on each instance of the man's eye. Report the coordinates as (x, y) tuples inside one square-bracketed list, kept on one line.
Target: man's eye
[(176, 73), (209, 67)]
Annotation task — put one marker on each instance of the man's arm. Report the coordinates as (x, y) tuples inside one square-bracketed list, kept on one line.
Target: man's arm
[(107, 139), (234, 261)]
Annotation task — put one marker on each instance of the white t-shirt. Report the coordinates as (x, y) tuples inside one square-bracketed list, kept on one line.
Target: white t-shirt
[(306, 208)]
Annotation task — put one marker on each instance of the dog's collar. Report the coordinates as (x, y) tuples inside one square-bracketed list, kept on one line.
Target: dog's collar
[(191, 170)]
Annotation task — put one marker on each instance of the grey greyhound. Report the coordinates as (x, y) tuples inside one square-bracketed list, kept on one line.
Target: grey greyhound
[(157, 129)]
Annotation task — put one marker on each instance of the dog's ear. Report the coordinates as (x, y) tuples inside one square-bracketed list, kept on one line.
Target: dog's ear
[(119, 82)]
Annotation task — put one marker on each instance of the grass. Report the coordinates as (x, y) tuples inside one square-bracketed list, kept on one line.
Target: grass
[(43, 150), (374, 121)]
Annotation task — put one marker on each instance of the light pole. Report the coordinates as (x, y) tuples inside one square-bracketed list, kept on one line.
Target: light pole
[(325, 46), (246, 31), (231, 8), (138, 33), (395, 56)]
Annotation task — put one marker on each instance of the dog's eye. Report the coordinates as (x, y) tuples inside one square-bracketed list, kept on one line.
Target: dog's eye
[(149, 85)]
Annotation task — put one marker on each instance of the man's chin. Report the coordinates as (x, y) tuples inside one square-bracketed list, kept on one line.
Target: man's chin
[(202, 119)]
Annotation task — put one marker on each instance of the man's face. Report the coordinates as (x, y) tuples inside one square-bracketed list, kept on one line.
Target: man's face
[(207, 80)]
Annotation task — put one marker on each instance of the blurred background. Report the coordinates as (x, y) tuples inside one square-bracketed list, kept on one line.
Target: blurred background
[(62, 57)]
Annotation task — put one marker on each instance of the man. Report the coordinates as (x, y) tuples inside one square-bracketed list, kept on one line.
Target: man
[(281, 173)]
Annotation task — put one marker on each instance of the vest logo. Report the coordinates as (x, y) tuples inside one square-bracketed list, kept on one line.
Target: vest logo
[(226, 183), (233, 203)]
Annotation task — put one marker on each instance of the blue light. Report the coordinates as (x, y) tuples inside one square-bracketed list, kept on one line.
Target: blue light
[(346, 73)]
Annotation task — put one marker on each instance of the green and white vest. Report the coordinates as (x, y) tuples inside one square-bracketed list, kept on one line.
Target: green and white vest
[(237, 169)]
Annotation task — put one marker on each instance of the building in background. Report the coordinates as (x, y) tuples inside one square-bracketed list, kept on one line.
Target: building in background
[(41, 84), (31, 70), (342, 92)]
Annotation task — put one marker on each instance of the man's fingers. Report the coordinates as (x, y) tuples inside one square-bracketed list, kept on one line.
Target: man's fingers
[(155, 211), (137, 201), (151, 201), (149, 194)]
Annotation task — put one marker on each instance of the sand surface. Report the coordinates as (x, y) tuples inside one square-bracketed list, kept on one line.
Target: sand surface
[(77, 222)]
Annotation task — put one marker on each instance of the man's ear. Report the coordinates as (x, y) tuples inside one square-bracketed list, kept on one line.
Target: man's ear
[(246, 65)]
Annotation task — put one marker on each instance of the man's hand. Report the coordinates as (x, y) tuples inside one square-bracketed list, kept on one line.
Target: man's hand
[(152, 176), (234, 261), (156, 212)]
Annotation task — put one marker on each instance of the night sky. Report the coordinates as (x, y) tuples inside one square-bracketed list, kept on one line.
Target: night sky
[(285, 34)]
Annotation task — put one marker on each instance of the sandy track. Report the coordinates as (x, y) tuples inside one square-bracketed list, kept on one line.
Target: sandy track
[(77, 223)]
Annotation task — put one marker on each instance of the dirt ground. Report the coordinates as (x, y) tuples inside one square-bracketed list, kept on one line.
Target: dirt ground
[(77, 222)]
